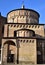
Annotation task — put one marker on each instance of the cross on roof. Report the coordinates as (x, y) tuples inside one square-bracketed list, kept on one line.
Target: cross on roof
[(23, 4)]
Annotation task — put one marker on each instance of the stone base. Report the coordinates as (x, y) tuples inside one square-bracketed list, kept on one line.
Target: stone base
[(26, 62)]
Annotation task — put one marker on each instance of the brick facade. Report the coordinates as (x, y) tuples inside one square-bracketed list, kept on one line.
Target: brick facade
[(23, 38)]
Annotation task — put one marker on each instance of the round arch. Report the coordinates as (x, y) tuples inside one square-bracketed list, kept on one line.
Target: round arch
[(24, 33), (10, 42), (9, 51)]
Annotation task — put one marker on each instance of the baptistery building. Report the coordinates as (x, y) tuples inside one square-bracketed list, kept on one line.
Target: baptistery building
[(22, 38)]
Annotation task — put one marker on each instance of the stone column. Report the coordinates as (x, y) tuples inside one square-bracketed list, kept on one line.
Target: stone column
[(17, 51)]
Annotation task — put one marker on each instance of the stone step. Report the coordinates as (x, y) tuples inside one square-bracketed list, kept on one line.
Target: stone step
[(22, 64), (19, 64)]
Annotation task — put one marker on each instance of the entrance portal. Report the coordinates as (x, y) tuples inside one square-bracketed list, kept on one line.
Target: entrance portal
[(10, 58), (9, 52)]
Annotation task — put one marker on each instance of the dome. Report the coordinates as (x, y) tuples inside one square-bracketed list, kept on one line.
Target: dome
[(23, 15)]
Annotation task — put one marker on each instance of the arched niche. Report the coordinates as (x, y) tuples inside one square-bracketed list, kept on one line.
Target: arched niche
[(9, 51)]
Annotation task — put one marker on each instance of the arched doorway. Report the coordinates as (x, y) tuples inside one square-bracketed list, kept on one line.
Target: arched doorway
[(9, 52)]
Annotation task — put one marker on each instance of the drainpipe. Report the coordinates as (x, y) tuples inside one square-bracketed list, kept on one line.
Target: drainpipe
[(43, 51)]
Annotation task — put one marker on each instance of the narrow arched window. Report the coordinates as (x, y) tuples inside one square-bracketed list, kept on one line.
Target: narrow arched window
[(14, 33), (2, 30)]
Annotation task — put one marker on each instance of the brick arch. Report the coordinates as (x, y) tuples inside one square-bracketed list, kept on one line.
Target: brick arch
[(30, 33), (9, 48), (10, 42)]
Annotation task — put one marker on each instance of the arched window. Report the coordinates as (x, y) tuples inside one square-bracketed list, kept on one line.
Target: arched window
[(24, 33), (2, 30), (15, 34)]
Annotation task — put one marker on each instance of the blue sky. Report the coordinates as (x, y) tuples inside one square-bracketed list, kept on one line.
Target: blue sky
[(37, 5)]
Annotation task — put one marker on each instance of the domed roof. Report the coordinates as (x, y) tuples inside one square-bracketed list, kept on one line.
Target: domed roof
[(23, 8), (23, 15)]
